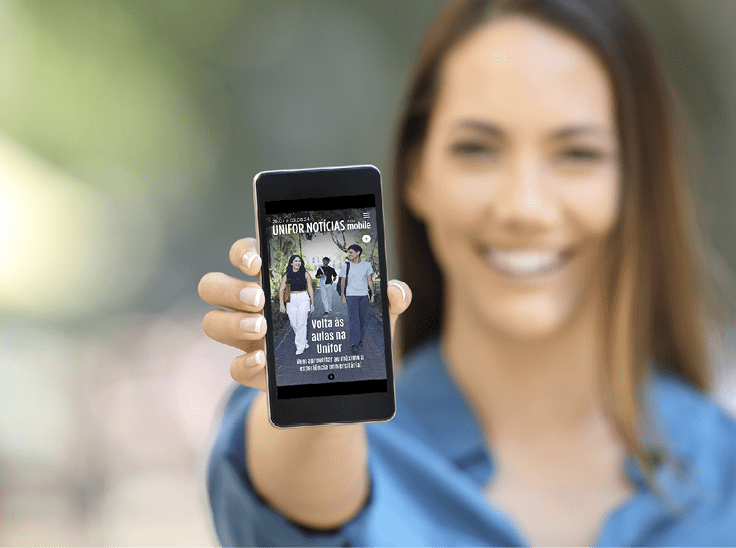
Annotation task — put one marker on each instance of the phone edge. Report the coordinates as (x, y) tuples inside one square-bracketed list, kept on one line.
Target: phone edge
[(260, 279)]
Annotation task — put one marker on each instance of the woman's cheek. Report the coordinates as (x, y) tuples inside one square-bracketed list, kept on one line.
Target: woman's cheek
[(595, 207), (601, 217), (459, 199), (450, 245)]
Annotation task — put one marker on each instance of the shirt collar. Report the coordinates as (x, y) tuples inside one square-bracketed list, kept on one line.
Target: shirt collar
[(680, 422), (451, 426)]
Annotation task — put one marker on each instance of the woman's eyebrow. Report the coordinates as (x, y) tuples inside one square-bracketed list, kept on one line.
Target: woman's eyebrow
[(481, 126), (572, 131), (494, 130)]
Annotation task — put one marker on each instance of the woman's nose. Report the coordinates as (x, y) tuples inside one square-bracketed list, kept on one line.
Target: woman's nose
[(524, 199)]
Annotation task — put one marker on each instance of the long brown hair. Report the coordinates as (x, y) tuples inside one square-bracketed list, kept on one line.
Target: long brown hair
[(655, 299)]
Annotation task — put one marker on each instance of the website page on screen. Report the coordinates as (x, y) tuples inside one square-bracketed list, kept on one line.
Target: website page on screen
[(327, 338)]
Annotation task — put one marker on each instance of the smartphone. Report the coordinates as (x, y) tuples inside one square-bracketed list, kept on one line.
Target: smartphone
[(321, 235)]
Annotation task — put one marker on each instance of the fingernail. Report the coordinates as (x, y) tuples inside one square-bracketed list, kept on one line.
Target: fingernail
[(248, 258), (251, 295), (403, 293), (255, 359), (252, 324)]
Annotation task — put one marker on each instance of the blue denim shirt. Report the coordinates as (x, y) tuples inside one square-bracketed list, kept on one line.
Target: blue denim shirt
[(429, 466)]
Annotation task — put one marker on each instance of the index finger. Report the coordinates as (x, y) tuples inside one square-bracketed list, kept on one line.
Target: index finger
[(244, 255)]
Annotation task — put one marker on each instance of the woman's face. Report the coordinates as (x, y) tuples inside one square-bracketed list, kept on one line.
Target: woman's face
[(519, 178), (297, 263)]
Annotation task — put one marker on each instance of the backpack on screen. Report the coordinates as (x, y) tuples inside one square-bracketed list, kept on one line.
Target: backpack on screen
[(339, 283)]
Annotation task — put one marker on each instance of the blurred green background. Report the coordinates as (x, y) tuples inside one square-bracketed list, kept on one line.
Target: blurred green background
[(129, 135)]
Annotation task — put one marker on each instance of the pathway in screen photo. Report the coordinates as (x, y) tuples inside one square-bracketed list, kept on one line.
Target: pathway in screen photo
[(371, 367)]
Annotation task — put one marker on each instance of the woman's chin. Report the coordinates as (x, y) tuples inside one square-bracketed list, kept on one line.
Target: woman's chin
[(528, 329), (535, 321)]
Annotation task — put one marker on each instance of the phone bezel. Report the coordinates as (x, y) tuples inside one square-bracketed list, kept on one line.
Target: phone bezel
[(316, 183)]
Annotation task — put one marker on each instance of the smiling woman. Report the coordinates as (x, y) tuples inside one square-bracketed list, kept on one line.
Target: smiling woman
[(538, 150), (553, 391), (519, 186)]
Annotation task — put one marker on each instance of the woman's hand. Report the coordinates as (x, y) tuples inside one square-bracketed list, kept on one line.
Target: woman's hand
[(276, 459), (282, 308), (311, 308), (242, 325)]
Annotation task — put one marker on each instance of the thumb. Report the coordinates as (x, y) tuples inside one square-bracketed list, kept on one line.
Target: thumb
[(399, 299)]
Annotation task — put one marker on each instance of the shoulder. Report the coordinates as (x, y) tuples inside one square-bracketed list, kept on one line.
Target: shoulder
[(691, 414), (702, 434)]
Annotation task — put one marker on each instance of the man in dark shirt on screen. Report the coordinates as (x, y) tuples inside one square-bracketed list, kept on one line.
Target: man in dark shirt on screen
[(327, 277)]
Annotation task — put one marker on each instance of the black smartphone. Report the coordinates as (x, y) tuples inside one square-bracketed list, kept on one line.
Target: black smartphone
[(328, 343)]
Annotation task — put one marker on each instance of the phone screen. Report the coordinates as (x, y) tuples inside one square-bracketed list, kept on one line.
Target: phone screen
[(323, 346)]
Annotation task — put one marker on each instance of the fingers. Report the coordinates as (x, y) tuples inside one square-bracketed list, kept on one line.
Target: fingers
[(399, 299), (220, 289), (235, 328), (249, 369), (242, 327), (244, 255)]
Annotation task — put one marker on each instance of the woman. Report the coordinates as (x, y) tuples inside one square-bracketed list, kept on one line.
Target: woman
[(553, 393), (301, 300)]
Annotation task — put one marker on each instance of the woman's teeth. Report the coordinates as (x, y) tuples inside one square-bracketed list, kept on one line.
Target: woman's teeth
[(524, 263)]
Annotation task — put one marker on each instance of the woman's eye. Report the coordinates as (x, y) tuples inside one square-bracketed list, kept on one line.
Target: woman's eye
[(472, 148), (583, 155)]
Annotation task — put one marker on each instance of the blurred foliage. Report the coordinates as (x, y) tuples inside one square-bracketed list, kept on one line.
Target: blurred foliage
[(100, 91)]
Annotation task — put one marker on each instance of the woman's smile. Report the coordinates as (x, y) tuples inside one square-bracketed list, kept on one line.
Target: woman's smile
[(525, 265)]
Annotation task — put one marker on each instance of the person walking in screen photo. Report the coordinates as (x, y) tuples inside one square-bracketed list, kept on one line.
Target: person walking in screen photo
[(356, 278), (328, 276), (301, 295)]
